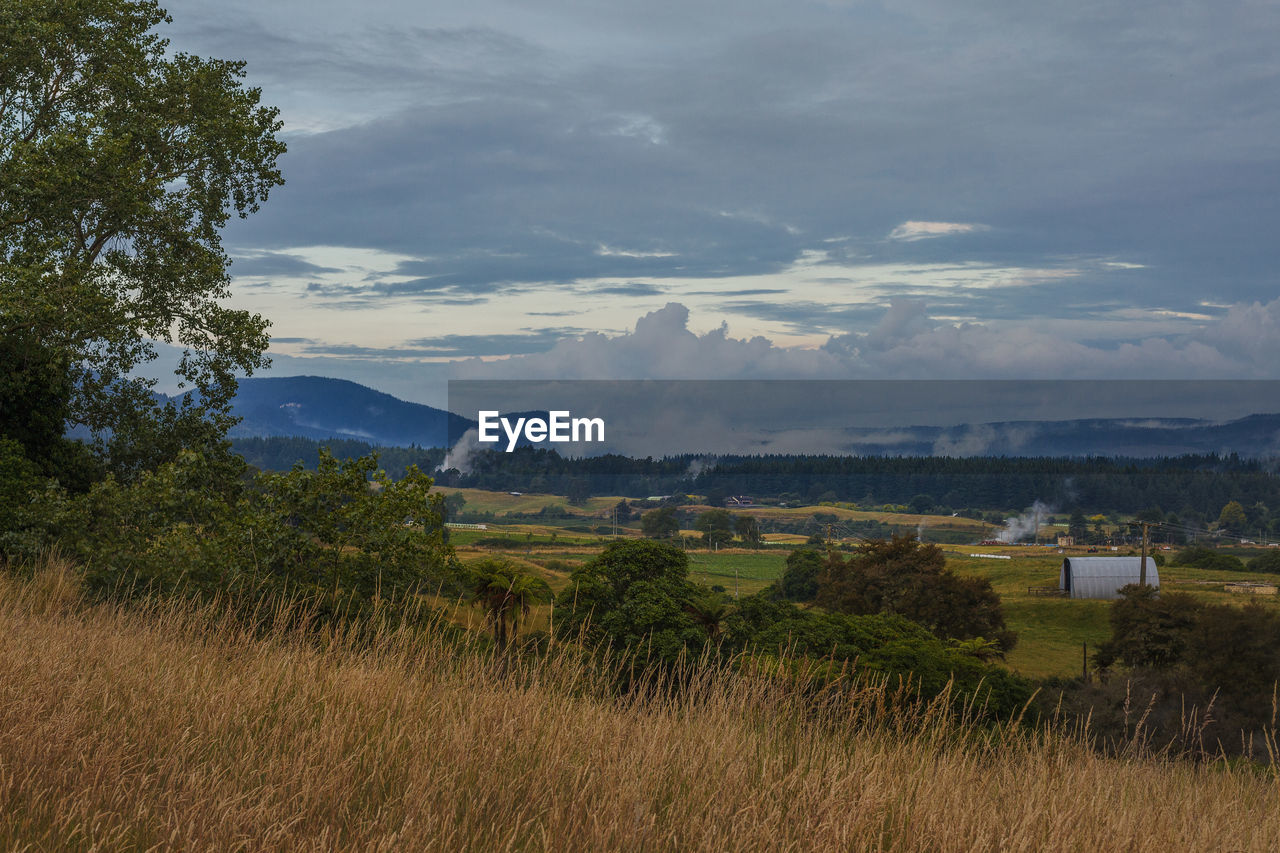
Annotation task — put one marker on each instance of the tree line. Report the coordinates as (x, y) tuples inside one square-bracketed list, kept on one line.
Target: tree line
[(1192, 488)]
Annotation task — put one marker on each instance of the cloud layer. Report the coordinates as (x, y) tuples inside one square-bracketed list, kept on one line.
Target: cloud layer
[(983, 189), (906, 343)]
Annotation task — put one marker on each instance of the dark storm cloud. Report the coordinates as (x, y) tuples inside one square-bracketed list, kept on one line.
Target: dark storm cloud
[(726, 294), (493, 193), (631, 288), (452, 346), (522, 147), (275, 264)]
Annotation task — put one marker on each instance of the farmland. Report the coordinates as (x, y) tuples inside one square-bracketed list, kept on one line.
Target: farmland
[(1052, 631)]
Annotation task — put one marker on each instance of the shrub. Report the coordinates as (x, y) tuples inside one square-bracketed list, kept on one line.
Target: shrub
[(879, 643), (799, 582), (342, 536), (1268, 562), (634, 593), (1200, 557)]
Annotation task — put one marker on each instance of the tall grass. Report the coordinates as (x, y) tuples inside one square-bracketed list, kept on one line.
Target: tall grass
[(163, 727)]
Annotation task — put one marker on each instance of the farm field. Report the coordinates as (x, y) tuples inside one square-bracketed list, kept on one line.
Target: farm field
[(1051, 631), (506, 504), (502, 503)]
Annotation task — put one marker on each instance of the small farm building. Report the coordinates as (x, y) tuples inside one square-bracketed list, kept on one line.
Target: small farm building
[(1102, 577)]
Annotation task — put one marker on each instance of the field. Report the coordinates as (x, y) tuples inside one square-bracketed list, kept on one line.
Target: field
[(1052, 632), (167, 728)]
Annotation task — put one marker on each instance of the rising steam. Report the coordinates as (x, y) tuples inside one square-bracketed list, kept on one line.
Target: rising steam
[(1017, 528), (459, 456)]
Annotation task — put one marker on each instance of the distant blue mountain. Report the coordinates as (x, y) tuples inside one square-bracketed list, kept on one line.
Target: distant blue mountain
[(318, 407), (321, 408)]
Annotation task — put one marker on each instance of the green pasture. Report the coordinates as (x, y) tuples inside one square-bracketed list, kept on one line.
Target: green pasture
[(1051, 630)]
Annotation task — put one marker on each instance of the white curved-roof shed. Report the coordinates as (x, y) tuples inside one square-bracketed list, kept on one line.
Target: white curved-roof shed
[(1102, 577)]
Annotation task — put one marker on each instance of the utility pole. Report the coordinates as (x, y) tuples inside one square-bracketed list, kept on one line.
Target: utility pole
[(1142, 571)]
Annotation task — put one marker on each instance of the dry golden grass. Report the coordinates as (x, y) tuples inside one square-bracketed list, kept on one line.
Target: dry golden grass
[(172, 729)]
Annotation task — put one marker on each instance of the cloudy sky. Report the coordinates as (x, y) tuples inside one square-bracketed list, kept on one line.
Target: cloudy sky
[(708, 189)]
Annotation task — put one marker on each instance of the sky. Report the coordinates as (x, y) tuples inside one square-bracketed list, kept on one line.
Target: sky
[(810, 189)]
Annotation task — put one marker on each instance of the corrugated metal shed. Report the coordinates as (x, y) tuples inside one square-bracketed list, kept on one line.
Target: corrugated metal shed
[(1102, 577)]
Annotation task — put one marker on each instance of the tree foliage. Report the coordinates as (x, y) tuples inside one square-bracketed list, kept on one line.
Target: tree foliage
[(661, 523), (1202, 557), (903, 576), (1186, 653), (634, 595), (1232, 517), (505, 594), (748, 529), (880, 643), (799, 581), (1148, 628), (120, 162), (1268, 562), (342, 537)]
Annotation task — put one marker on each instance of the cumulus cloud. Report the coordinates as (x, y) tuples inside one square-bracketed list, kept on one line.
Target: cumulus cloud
[(661, 346), (906, 343)]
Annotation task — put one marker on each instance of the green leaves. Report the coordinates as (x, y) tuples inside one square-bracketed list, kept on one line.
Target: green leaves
[(505, 594), (634, 593), (344, 534), (119, 164), (902, 576)]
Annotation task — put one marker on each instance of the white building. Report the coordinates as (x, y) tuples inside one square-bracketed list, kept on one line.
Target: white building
[(1102, 577)]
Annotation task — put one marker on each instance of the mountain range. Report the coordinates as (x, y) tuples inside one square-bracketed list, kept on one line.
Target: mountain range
[(321, 408)]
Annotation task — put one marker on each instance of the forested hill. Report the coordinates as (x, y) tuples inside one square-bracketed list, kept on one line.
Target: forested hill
[(1193, 485), (1199, 484), (322, 408)]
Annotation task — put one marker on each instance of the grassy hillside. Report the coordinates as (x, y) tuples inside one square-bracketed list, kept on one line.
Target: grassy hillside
[(132, 730)]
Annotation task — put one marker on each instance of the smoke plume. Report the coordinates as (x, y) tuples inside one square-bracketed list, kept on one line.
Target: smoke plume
[(1017, 528)]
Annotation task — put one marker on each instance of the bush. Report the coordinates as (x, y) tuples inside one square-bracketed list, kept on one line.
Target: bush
[(880, 643), (1182, 656), (342, 537), (633, 594), (1268, 562), (1200, 557), (19, 480), (799, 582)]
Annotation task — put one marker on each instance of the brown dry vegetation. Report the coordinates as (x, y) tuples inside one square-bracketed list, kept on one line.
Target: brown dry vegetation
[(162, 727)]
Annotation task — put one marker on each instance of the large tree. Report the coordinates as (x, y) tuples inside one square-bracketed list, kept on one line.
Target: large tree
[(635, 595), (903, 576), (120, 163), (660, 523)]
